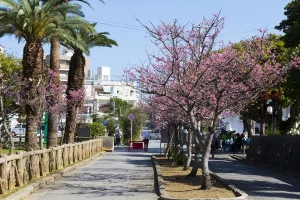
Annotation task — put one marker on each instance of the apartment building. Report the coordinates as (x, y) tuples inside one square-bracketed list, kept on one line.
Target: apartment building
[(64, 62), (100, 89)]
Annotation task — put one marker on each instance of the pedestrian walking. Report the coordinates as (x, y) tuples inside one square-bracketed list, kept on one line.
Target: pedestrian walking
[(118, 136), (146, 137), (214, 146)]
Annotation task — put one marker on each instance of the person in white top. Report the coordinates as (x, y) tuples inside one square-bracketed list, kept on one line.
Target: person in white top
[(146, 137)]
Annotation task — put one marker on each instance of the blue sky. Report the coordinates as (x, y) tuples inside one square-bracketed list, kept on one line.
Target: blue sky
[(118, 17)]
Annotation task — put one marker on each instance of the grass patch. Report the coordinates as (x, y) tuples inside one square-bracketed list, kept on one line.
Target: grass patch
[(6, 151)]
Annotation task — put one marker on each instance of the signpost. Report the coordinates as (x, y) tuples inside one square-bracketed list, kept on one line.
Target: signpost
[(131, 117)]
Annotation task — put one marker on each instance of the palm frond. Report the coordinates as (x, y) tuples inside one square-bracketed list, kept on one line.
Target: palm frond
[(68, 9), (26, 7)]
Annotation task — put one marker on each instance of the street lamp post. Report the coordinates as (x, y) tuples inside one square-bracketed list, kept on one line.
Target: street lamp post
[(271, 109)]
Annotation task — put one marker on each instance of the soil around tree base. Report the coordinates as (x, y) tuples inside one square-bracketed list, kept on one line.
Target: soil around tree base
[(178, 186)]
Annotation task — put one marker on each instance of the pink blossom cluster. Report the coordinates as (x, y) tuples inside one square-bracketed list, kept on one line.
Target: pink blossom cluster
[(15, 92), (193, 73), (75, 98)]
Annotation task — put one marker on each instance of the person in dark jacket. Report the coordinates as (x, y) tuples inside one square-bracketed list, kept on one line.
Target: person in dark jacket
[(214, 146)]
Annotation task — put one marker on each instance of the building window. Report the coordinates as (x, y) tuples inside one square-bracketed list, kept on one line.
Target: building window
[(68, 62), (105, 77)]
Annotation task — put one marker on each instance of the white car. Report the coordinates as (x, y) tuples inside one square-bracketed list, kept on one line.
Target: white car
[(19, 130)]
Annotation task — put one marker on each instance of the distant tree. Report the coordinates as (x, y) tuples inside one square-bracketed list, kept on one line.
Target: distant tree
[(287, 94), (118, 107), (291, 25), (9, 86), (139, 121), (111, 126)]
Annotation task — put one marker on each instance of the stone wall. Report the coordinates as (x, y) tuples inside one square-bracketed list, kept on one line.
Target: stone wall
[(277, 153), (19, 169), (108, 143)]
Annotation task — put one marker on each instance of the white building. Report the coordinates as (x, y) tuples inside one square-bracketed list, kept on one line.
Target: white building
[(104, 89), (100, 89), (103, 73), (233, 124), (64, 63)]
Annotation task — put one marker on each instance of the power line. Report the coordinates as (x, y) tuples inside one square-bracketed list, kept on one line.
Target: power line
[(107, 24), (129, 26), (114, 22)]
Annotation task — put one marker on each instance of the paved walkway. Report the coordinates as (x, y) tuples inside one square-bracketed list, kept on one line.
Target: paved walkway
[(119, 175), (123, 175), (258, 183)]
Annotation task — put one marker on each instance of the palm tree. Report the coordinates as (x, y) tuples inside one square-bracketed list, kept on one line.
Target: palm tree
[(34, 23), (54, 66), (65, 31), (83, 42)]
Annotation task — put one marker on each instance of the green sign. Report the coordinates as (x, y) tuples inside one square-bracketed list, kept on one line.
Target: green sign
[(46, 128)]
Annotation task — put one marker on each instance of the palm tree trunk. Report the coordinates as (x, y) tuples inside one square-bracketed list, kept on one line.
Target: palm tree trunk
[(32, 72), (75, 83), (54, 99)]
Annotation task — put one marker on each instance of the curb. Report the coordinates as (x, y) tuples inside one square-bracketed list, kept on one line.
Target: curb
[(238, 158), (41, 183), (160, 187)]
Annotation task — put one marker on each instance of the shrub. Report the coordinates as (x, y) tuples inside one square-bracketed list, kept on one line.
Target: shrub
[(96, 129)]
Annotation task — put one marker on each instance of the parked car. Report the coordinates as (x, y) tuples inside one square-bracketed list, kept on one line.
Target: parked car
[(19, 130)]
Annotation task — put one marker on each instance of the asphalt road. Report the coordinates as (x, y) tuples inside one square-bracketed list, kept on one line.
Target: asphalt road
[(258, 183)]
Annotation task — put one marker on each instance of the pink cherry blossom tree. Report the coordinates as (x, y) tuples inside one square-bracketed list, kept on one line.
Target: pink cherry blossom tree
[(13, 98), (202, 76), (166, 115)]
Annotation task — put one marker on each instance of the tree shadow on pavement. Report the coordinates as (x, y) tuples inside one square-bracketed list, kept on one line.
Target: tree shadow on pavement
[(255, 181)]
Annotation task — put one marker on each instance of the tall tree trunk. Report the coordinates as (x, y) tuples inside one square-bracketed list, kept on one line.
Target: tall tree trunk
[(197, 160), (5, 129), (248, 126), (75, 83), (69, 136), (262, 129), (189, 148), (170, 141), (285, 126), (252, 132), (206, 182), (54, 99), (198, 142), (32, 71)]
